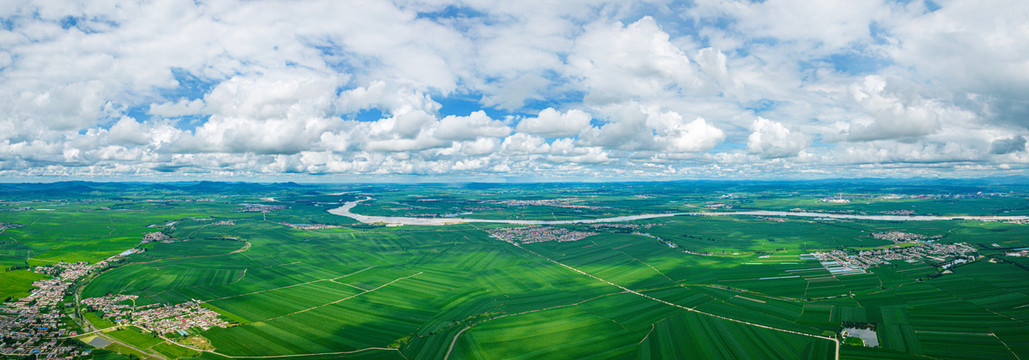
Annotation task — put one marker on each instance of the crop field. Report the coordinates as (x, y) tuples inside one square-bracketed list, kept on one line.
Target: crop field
[(133, 336), (293, 280), (96, 321), (17, 284), (174, 352)]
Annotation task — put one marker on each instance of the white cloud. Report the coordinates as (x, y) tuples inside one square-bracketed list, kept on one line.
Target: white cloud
[(478, 147), (634, 128), (895, 152), (829, 24), (274, 96), (241, 135), (477, 124), (620, 63), (552, 123), (182, 107), (968, 49), (128, 131), (890, 116), (235, 88), (771, 139), (522, 143), (680, 136), (583, 155), (377, 95)]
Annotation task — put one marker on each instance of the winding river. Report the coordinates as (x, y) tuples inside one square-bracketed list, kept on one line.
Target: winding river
[(345, 210)]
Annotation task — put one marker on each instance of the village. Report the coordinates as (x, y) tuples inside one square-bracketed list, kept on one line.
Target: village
[(840, 262), (37, 325), (261, 208), (34, 325), (559, 203), (310, 226), (5, 226), (156, 318), (155, 237), (534, 234), (621, 226), (40, 325), (898, 237)]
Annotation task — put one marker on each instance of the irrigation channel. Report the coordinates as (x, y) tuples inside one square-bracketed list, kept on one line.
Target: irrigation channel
[(345, 210)]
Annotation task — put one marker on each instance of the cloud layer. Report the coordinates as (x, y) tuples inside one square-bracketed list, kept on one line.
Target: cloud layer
[(479, 89)]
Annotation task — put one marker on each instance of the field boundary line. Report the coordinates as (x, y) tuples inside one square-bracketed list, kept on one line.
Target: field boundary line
[(312, 354), (1006, 346), (647, 264), (458, 335), (279, 356), (834, 340), (122, 343), (652, 327), (353, 273), (116, 327), (35, 259), (134, 280), (755, 293), (178, 258), (343, 299), (350, 285), (195, 231), (288, 286), (242, 249), (937, 332), (241, 276)]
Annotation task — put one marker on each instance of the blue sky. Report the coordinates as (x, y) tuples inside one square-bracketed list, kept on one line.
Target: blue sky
[(439, 90)]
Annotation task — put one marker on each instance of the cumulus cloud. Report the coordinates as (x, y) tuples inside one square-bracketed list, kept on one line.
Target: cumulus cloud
[(1007, 146), (182, 107), (620, 63), (407, 132), (274, 96), (552, 123), (635, 128), (378, 95), (838, 22), (971, 51), (242, 135), (522, 143), (679, 136), (771, 139), (477, 147), (568, 88), (127, 130), (579, 155), (891, 116), (478, 124), (895, 152)]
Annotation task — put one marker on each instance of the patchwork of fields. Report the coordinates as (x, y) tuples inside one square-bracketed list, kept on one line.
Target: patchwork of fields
[(693, 287)]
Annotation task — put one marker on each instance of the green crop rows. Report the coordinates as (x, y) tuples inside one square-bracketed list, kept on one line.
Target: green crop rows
[(739, 286)]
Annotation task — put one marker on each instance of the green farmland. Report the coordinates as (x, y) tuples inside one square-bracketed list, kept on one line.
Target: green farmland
[(294, 280)]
